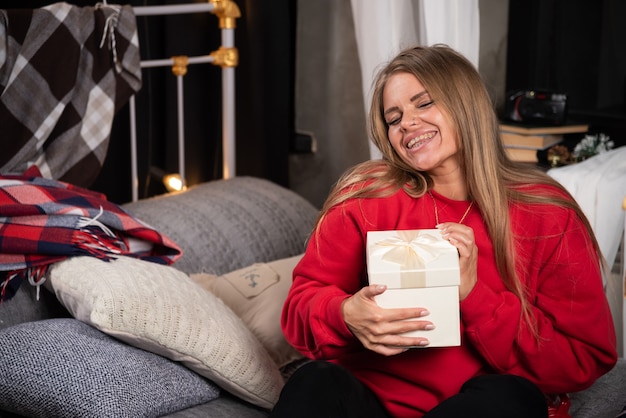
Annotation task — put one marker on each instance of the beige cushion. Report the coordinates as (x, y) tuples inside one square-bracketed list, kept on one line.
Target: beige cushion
[(257, 294), (160, 309)]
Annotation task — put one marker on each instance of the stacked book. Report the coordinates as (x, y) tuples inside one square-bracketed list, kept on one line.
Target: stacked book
[(522, 142)]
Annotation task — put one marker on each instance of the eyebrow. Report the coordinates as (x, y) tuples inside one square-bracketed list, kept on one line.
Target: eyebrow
[(412, 99)]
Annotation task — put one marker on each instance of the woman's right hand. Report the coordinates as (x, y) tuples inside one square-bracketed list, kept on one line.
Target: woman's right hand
[(379, 329)]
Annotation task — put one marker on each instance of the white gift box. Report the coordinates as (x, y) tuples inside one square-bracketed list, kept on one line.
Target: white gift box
[(420, 269)]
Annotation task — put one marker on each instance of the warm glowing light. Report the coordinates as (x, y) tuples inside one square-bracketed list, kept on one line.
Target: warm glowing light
[(173, 183)]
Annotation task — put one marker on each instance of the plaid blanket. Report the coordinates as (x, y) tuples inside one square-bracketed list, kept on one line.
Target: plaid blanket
[(43, 221), (64, 72)]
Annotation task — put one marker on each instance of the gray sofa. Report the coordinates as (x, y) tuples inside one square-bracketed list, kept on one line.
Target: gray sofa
[(222, 226)]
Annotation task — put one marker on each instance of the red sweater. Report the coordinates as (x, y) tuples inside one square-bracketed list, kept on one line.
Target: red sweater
[(565, 286)]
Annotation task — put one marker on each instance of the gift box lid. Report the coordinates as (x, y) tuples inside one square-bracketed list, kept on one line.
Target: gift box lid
[(411, 258)]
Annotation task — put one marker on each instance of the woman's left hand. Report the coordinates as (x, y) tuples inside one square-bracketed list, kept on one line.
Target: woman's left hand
[(462, 237)]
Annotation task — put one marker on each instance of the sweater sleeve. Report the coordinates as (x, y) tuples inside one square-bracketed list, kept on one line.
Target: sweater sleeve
[(575, 340), (332, 269)]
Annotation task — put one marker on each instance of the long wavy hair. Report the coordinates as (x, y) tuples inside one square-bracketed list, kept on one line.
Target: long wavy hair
[(494, 182)]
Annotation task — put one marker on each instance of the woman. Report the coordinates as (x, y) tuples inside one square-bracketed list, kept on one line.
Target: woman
[(534, 318)]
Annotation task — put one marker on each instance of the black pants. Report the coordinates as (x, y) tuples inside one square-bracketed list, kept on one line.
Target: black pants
[(325, 390)]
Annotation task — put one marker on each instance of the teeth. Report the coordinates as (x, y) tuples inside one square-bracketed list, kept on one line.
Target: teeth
[(420, 139)]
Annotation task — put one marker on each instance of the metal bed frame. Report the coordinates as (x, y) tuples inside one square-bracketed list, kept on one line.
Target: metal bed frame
[(226, 56)]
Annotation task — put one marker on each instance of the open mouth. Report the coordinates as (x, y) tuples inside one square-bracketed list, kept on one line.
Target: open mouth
[(420, 140)]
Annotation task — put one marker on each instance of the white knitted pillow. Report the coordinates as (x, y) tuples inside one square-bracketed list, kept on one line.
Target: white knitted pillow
[(160, 309)]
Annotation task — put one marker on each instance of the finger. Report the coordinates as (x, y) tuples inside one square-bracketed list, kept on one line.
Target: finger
[(399, 344), (392, 331), (458, 244), (447, 230), (404, 314), (397, 333), (387, 350), (373, 290), (462, 238)]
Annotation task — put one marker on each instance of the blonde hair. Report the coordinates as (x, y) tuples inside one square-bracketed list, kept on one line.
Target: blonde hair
[(493, 180)]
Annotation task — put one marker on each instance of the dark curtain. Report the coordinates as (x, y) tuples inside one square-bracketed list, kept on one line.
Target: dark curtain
[(265, 88), (577, 47), (264, 79)]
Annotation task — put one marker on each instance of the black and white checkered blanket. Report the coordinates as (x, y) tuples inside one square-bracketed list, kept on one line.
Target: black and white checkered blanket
[(64, 72)]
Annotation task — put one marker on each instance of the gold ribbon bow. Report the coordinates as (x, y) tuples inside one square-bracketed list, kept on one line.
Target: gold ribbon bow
[(411, 250)]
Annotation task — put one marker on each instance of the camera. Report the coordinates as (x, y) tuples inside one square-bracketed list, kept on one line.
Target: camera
[(536, 107)]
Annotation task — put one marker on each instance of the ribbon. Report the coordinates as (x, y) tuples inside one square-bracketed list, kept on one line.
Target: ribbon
[(412, 250)]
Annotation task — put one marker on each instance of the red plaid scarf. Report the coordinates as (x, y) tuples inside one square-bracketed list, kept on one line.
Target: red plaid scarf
[(43, 221)]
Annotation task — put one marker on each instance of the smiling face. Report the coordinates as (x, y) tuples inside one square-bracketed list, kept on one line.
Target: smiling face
[(417, 129)]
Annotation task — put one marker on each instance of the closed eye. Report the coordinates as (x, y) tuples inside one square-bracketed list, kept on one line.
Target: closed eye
[(425, 104), (394, 121)]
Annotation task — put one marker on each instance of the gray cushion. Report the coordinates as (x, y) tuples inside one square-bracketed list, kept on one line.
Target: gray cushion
[(225, 225), (65, 368), (25, 307)]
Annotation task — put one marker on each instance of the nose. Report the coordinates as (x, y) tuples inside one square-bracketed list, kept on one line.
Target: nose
[(409, 119)]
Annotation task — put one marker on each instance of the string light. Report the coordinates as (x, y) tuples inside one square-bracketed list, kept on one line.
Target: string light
[(174, 183)]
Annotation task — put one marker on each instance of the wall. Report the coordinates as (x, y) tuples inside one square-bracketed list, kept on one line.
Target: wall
[(493, 47), (329, 102)]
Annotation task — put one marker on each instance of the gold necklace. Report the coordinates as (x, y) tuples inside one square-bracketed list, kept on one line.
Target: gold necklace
[(437, 211)]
